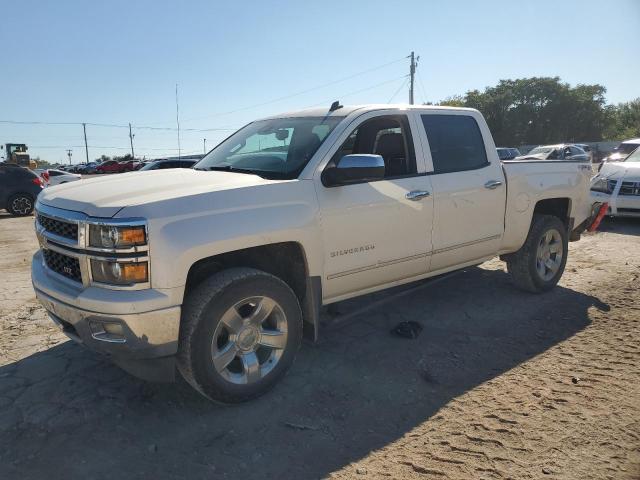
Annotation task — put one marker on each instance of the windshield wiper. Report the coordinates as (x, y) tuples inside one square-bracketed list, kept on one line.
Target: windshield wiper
[(230, 168)]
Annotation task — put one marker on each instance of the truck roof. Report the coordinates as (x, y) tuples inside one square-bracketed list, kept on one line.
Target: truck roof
[(347, 109)]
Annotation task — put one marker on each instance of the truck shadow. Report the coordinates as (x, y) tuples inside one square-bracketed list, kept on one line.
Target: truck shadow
[(66, 410), (622, 225)]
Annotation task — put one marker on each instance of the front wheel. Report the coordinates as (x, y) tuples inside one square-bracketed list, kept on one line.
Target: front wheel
[(539, 264), (241, 329), (20, 205)]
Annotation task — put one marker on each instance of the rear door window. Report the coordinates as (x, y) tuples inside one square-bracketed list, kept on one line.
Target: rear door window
[(456, 143)]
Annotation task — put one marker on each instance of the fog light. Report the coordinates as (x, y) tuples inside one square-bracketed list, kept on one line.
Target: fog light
[(107, 331)]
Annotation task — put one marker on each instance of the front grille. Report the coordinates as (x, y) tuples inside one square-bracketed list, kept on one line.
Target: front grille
[(630, 188), (629, 210), (58, 227), (63, 264)]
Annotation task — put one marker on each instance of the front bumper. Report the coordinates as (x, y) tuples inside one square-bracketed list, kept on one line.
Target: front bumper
[(130, 338), (619, 205)]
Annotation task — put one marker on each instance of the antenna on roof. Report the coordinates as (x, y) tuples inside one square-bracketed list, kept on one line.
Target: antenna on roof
[(335, 106)]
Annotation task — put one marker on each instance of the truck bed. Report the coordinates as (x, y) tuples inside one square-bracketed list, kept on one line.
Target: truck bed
[(530, 181)]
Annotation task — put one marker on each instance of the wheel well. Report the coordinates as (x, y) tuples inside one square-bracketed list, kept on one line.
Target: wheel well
[(284, 260), (558, 207)]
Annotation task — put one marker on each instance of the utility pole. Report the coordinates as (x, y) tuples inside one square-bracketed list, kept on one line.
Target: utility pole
[(86, 147), (131, 135), (205, 146), (412, 74), (178, 120), (69, 155)]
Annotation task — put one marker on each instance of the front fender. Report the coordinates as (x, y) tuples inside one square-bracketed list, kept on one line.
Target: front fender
[(244, 218)]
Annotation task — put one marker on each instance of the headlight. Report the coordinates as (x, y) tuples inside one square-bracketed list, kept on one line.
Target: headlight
[(111, 236), (119, 273), (603, 185)]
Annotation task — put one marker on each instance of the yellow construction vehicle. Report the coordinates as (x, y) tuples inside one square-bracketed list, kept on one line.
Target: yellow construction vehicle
[(16, 153)]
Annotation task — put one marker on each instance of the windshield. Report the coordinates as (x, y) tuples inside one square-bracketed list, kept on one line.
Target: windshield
[(626, 148), (274, 148), (634, 157), (539, 150), (503, 154), (150, 166)]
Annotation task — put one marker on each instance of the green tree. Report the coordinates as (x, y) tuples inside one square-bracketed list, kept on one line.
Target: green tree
[(624, 120), (542, 110)]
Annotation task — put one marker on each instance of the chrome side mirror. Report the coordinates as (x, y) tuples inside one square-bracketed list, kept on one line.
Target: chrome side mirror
[(356, 168)]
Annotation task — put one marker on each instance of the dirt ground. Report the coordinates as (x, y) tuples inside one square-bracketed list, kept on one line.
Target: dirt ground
[(500, 384)]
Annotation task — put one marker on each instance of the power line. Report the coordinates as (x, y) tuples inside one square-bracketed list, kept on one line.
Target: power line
[(404, 82), (286, 97), (358, 91), (111, 125), (98, 146)]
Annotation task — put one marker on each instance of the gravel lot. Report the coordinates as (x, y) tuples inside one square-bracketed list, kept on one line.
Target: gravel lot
[(500, 384)]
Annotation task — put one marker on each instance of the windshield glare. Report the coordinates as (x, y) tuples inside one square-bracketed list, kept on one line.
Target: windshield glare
[(273, 148)]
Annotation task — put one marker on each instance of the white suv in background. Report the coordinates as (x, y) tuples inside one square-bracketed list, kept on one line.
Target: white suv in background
[(619, 184), (58, 177), (622, 150)]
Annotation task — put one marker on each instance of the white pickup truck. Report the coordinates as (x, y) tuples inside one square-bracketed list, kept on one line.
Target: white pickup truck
[(221, 270)]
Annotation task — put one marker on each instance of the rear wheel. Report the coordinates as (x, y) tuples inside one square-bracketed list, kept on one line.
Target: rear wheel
[(240, 332), (20, 205), (539, 264)]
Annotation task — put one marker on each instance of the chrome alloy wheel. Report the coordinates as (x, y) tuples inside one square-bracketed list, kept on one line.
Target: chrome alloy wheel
[(249, 340), (21, 205), (549, 254)]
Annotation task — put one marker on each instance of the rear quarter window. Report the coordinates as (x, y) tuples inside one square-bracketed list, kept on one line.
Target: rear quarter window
[(455, 142)]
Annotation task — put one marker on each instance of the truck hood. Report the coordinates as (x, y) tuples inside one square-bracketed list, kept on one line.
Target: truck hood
[(621, 170), (105, 196)]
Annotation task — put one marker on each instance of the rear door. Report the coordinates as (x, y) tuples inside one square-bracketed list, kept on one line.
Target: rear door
[(469, 192)]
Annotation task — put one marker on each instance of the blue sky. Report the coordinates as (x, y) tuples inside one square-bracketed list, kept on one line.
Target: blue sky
[(116, 62)]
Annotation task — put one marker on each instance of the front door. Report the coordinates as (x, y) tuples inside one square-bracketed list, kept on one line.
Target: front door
[(373, 232)]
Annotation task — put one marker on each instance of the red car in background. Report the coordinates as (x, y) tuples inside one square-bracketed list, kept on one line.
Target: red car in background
[(110, 166), (130, 165)]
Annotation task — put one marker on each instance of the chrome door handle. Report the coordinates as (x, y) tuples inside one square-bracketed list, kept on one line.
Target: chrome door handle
[(492, 184), (416, 195)]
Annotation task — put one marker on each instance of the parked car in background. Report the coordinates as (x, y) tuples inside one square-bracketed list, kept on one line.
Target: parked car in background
[(19, 188), (110, 166), (622, 150), (87, 168), (618, 183), (587, 149), (162, 164), (58, 177), (130, 165), (556, 152), (508, 153)]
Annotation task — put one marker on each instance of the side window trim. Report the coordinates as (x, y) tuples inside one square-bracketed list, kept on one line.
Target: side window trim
[(414, 133)]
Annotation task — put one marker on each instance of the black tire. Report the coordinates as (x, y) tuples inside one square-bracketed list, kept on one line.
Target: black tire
[(201, 313), (20, 204), (522, 265)]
